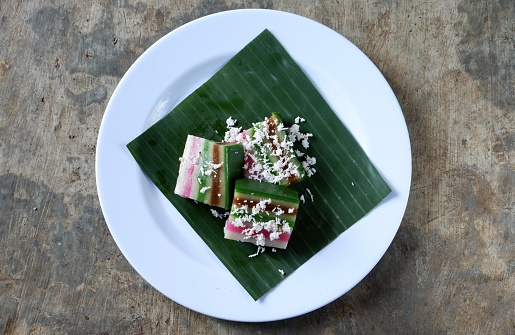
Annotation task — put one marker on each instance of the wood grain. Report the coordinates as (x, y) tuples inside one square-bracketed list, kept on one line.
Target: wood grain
[(450, 269)]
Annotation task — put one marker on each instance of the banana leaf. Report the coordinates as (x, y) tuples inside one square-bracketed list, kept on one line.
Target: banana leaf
[(263, 78)]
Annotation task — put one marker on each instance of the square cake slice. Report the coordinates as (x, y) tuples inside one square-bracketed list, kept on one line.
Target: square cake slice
[(262, 213), (208, 170), (269, 153)]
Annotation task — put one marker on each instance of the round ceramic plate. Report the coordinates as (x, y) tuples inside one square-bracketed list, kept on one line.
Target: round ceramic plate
[(161, 245)]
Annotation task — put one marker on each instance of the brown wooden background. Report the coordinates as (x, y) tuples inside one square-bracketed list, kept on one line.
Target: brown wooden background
[(450, 270)]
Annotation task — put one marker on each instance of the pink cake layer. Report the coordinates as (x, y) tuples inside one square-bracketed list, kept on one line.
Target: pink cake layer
[(236, 233), (185, 184)]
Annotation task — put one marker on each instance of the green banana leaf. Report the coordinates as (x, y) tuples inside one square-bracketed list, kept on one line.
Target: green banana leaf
[(263, 78)]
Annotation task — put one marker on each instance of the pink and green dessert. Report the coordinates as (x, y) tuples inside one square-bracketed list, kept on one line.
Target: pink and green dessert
[(208, 170), (269, 153), (262, 213)]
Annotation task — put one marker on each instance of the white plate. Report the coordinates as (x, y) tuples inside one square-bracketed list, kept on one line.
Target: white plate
[(161, 245)]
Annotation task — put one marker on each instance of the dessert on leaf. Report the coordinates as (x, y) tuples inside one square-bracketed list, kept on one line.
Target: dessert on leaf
[(208, 170), (264, 77), (269, 153), (262, 213)]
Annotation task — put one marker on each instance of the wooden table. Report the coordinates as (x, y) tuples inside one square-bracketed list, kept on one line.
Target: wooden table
[(450, 268)]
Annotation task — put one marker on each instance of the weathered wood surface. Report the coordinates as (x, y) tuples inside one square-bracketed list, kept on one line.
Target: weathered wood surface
[(450, 270)]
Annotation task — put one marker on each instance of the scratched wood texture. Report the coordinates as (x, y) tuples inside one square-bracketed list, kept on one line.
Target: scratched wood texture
[(450, 269)]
